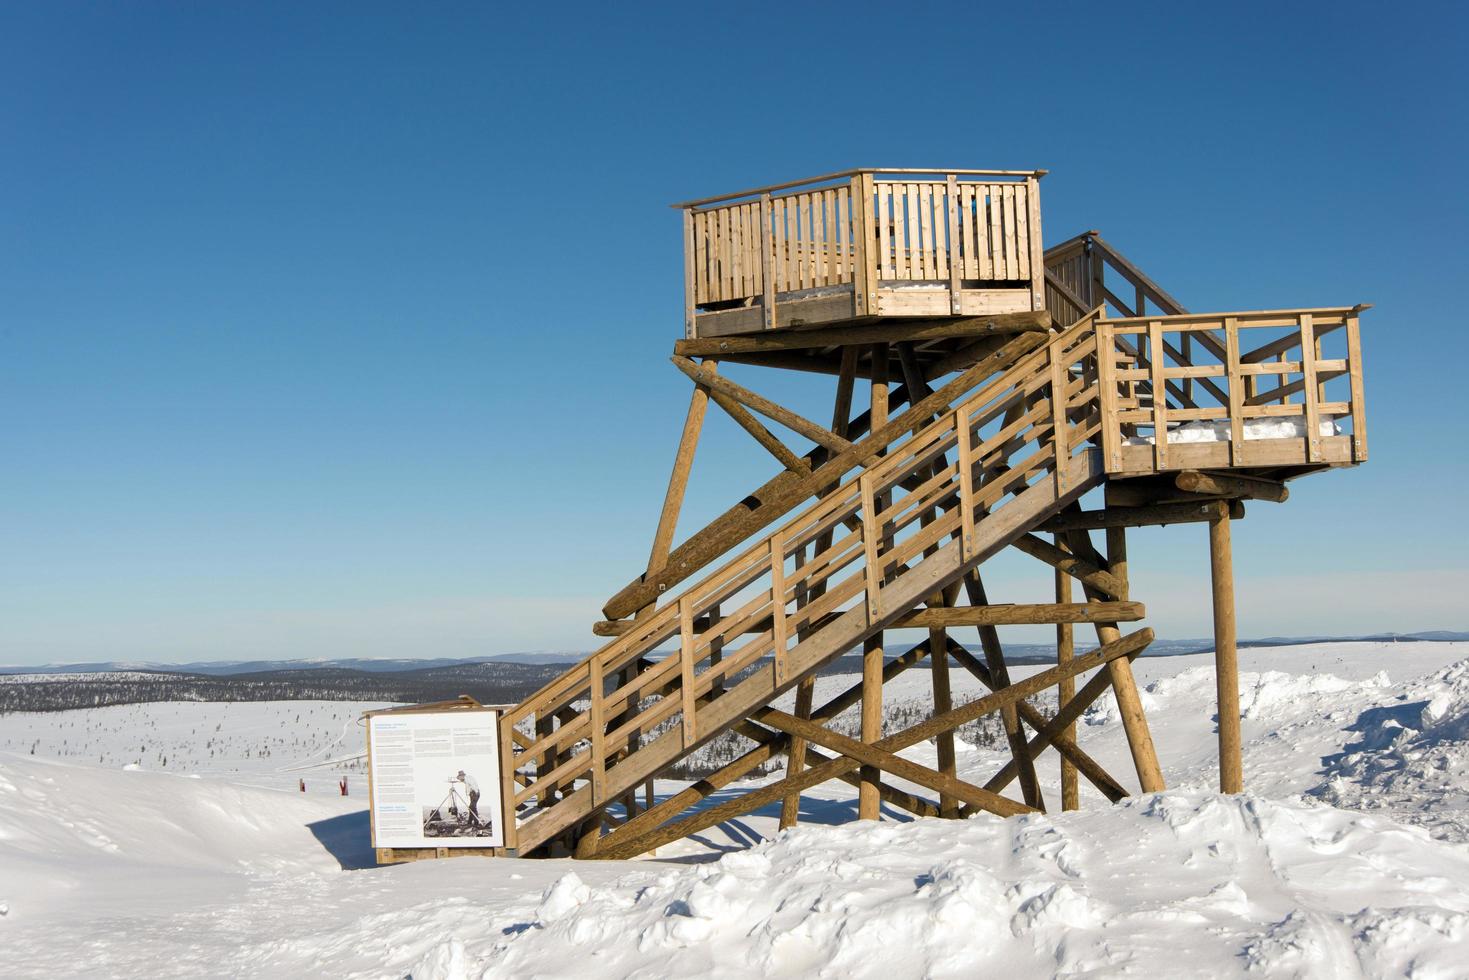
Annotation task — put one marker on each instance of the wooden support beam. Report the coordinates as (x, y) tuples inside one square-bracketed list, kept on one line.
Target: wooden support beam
[(632, 846), (916, 331), (1088, 573), (1054, 732), (1226, 660), (655, 815), (1122, 517), (777, 413), (952, 617), (1066, 690), (781, 494), (678, 482), (1124, 685), (994, 655), (1064, 744), (841, 413), (872, 757), (762, 435), (1232, 486), (890, 794), (868, 800)]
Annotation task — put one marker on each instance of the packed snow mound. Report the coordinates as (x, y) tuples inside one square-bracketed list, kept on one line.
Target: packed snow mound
[(1207, 885), (1412, 756), (1218, 430)]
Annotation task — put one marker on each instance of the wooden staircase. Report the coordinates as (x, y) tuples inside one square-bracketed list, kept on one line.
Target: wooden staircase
[(991, 466), (968, 470)]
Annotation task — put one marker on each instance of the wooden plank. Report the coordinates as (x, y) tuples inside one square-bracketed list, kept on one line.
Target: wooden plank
[(870, 531), (1160, 400), (1308, 386), (767, 264), (1236, 390), (599, 732), (690, 286), (1012, 258), (965, 438), (780, 261), (686, 670), (866, 298), (887, 268), (778, 604), (1059, 428), (1037, 262), (956, 258), (1359, 408)]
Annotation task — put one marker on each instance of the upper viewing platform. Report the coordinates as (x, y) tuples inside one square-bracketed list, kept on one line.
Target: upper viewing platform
[(860, 244)]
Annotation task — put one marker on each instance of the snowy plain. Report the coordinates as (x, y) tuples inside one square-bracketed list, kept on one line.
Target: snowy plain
[(171, 839)]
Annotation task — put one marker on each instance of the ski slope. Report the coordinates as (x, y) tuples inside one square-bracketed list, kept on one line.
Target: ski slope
[(1347, 858)]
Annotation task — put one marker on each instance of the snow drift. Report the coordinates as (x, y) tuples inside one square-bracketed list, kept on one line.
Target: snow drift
[(1209, 885)]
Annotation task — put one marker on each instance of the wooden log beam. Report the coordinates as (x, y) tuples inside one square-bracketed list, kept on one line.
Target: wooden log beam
[(1066, 690), (1113, 517), (1124, 685), (951, 617), (910, 330), (789, 489), (994, 655), (890, 794), (841, 413), (762, 435), (1226, 660), (712, 816), (871, 756), (1065, 743), (655, 815), (759, 403), (1222, 485), (1054, 730), (1088, 573)]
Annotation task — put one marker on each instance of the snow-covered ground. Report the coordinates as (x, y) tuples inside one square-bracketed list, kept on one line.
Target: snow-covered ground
[(1347, 858)]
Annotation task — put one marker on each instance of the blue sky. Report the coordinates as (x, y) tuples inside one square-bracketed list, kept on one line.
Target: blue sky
[(335, 330)]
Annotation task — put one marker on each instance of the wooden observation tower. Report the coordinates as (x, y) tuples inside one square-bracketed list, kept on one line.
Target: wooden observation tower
[(983, 386)]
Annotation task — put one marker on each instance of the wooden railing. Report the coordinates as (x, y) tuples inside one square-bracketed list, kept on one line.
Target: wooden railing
[(859, 230), (1223, 377), (811, 588), (1085, 272)]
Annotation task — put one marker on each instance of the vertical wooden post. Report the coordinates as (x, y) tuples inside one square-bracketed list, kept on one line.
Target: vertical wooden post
[(1037, 249), (938, 659), (507, 779), (767, 263), (868, 800), (994, 655), (688, 273), (1359, 407), (1226, 661), (841, 413), (1065, 651), (956, 259)]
